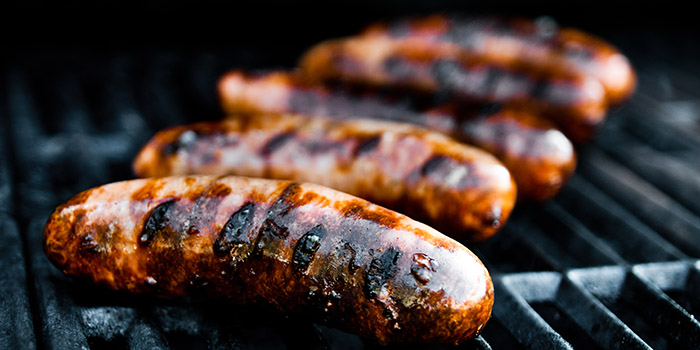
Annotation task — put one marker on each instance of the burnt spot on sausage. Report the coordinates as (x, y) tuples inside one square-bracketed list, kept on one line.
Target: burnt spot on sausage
[(367, 146), (489, 109), (157, 221), (433, 164), (494, 77), (147, 191), (89, 244), (422, 267), (218, 190), (398, 67), (184, 142), (276, 142), (380, 270), (271, 228), (284, 203), (445, 72), (236, 225), (306, 248), (349, 254)]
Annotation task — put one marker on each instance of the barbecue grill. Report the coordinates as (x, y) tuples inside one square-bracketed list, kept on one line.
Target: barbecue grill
[(611, 262)]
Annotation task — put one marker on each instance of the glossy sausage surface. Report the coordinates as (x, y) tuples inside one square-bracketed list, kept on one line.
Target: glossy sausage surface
[(540, 158), (540, 43), (301, 248), (460, 190), (576, 102)]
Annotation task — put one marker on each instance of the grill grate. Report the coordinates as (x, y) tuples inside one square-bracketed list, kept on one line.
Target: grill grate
[(607, 264)]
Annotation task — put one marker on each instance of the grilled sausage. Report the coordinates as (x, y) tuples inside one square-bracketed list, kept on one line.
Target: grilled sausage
[(574, 101), (302, 248), (522, 42), (539, 157), (463, 191)]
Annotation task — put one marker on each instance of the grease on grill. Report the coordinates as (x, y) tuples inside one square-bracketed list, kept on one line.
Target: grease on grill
[(276, 142), (379, 271), (423, 267), (157, 221), (234, 227), (306, 248)]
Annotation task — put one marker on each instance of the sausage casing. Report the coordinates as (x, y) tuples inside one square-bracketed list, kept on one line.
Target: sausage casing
[(540, 158), (302, 248), (522, 42), (460, 190), (576, 102)]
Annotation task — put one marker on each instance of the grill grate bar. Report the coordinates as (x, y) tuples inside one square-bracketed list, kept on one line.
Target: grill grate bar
[(634, 241), (634, 297), (678, 179), (522, 321), (662, 213), (573, 238)]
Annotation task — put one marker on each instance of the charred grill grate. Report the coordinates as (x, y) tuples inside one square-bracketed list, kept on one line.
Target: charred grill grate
[(610, 263)]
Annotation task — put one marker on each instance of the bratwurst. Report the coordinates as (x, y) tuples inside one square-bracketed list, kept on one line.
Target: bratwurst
[(540, 158), (298, 247), (540, 45), (575, 101), (460, 190)]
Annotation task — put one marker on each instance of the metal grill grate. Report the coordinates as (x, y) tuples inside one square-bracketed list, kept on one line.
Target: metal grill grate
[(607, 264)]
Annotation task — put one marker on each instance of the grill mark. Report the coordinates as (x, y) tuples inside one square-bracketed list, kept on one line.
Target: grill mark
[(444, 72), (398, 67), (185, 141), (306, 248), (276, 142), (283, 204), (433, 164), (368, 145), (229, 236), (157, 221), (489, 109), (379, 271), (270, 227), (493, 78)]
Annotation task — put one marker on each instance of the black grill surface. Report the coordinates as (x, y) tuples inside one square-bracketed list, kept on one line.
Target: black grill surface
[(609, 263)]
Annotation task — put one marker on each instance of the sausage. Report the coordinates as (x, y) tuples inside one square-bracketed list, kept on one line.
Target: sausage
[(540, 158), (540, 43), (301, 248), (576, 102), (460, 190)]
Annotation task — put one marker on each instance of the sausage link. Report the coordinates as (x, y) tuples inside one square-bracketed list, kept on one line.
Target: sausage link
[(540, 158), (460, 190), (575, 102), (522, 42), (302, 248)]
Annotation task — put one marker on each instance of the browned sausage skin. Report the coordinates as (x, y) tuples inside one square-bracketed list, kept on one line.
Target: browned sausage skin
[(574, 101), (299, 247), (461, 190), (540, 158), (522, 42)]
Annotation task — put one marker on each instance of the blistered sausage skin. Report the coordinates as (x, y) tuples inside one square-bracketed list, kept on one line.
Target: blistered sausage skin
[(460, 190), (301, 248), (540, 158), (523, 42), (574, 101)]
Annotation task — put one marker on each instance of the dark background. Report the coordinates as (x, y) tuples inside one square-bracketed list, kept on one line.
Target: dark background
[(105, 25)]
